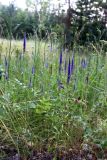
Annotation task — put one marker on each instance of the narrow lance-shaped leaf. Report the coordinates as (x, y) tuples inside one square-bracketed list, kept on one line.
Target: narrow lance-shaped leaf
[(24, 43), (65, 66), (30, 83), (6, 63), (6, 75), (60, 62), (6, 69), (60, 85)]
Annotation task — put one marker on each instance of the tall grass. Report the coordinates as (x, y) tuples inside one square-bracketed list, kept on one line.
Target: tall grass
[(52, 98)]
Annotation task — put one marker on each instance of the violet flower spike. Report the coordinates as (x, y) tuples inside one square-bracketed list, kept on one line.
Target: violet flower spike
[(69, 72), (24, 43), (33, 70), (72, 64), (60, 62), (46, 65), (60, 58), (83, 63)]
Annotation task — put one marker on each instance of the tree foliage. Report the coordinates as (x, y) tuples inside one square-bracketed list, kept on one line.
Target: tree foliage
[(86, 23)]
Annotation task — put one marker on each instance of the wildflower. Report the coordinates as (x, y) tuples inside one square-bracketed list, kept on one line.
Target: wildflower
[(83, 63), (60, 62), (61, 57), (70, 68), (33, 70), (72, 64), (24, 43), (69, 72), (46, 65)]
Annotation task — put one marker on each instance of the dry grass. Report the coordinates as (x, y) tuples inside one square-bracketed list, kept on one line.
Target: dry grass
[(17, 45)]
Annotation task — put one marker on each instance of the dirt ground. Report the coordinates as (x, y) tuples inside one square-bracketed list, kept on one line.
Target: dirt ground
[(95, 153)]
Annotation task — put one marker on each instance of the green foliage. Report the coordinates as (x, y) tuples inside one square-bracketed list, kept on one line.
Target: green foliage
[(38, 107), (38, 110)]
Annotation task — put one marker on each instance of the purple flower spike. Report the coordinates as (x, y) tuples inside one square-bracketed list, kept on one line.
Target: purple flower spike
[(72, 64), (24, 43), (46, 65), (69, 72), (83, 63), (60, 58), (33, 70), (60, 62)]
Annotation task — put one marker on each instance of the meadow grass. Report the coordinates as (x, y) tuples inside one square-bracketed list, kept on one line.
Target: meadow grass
[(51, 98), (16, 45)]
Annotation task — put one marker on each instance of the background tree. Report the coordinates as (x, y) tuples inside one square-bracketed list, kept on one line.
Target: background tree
[(89, 20), (85, 23)]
